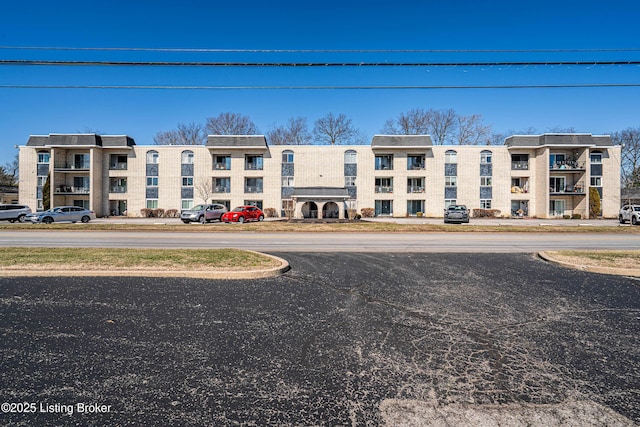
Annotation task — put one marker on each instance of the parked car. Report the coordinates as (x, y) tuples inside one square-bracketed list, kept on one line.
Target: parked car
[(13, 213), (243, 213), (629, 213), (203, 213), (456, 213), (62, 214)]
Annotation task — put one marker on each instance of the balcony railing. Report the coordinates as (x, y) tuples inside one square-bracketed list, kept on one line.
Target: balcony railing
[(118, 166), (221, 166), (118, 189), (253, 166), (415, 166), (74, 166), (252, 189), (66, 189), (415, 189), (519, 165), (567, 164), (569, 189), (384, 189), (222, 189)]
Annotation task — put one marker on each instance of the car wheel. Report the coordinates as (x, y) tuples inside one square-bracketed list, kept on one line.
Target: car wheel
[(47, 220), (85, 219), (202, 219), (22, 218), (186, 221), (241, 219), (12, 221), (621, 219), (634, 220), (261, 217)]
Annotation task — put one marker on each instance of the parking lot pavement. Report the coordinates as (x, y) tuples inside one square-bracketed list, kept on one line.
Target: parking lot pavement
[(341, 339)]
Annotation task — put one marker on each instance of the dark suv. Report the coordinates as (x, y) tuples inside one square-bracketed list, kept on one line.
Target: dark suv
[(13, 213)]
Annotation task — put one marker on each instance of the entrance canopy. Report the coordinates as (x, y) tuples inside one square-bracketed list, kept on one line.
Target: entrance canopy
[(316, 201)]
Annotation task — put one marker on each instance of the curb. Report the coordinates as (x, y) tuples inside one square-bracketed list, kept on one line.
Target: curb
[(278, 270), (632, 272)]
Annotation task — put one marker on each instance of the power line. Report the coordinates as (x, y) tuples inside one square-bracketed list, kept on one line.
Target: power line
[(219, 50), (349, 87), (33, 62)]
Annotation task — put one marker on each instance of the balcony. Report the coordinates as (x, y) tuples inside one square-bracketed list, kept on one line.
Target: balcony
[(72, 166), (252, 189), (384, 189), (569, 190), (221, 166), (118, 166), (222, 189), (519, 165), (567, 165), (415, 189), (118, 189), (66, 189)]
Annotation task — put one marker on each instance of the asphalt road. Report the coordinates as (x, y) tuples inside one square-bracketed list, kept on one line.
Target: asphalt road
[(341, 339), (331, 242)]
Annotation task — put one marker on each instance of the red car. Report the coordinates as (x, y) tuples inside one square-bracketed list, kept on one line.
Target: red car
[(242, 214)]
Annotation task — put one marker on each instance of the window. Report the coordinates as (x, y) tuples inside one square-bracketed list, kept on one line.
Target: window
[(556, 207), (596, 157), (350, 157), (222, 162), (485, 203), (152, 203), (557, 184), (256, 203), (117, 185), (384, 185), (451, 156), (485, 181), (152, 181), (450, 181), (415, 185), (225, 203), (485, 157), (153, 157), (41, 181), (556, 160), (384, 162), (383, 207), (415, 206), (253, 185), (519, 162), (287, 156), (187, 204), (596, 181), (449, 202), (253, 162), (118, 162), (44, 157), (187, 157), (187, 181), (287, 181), (415, 162), (349, 181), (222, 185)]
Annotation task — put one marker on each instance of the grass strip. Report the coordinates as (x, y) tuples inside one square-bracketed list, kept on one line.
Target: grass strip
[(19, 258), (599, 258)]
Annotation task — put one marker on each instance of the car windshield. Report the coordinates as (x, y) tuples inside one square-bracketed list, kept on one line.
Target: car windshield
[(198, 208), (238, 209)]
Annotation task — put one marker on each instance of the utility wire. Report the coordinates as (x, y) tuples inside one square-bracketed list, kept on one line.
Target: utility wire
[(32, 62)]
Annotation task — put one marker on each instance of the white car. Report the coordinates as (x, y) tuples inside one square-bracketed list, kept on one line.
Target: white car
[(629, 213), (13, 213), (63, 213)]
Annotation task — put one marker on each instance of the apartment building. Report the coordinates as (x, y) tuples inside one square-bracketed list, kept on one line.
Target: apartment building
[(544, 176)]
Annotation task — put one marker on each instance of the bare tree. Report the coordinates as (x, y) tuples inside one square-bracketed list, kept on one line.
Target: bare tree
[(231, 124), (185, 134), (336, 130), (630, 156), (442, 124), (9, 172), (295, 132), (204, 187), (471, 131), (413, 122)]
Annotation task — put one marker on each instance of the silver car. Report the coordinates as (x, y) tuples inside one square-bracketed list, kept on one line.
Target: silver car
[(62, 214), (203, 213), (629, 213), (13, 213), (456, 213)]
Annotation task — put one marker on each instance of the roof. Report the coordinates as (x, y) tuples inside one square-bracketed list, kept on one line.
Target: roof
[(559, 139), (401, 141), (80, 139), (321, 192), (236, 141)]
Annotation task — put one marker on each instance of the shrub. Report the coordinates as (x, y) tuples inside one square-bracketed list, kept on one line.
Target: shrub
[(270, 213), (367, 212), (146, 213), (172, 213), (158, 213), (486, 213), (594, 203), (566, 216), (576, 216), (419, 214)]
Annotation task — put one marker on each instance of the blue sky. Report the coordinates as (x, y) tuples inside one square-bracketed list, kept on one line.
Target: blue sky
[(326, 25)]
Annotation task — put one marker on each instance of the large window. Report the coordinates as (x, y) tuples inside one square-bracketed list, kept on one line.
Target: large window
[(187, 203), (153, 157), (384, 207), (222, 162), (384, 162), (287, 156), (384, 185), (415, 162), (485, 157), (253, 185), (152, 203), (222, 185), (596, 157), (350, 157), (187, 157), (415, 206), (450, 156), (415, 185), (44, 157), (253, 162)]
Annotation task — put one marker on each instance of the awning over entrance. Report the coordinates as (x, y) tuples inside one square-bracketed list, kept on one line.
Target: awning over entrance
[(320, 202)]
